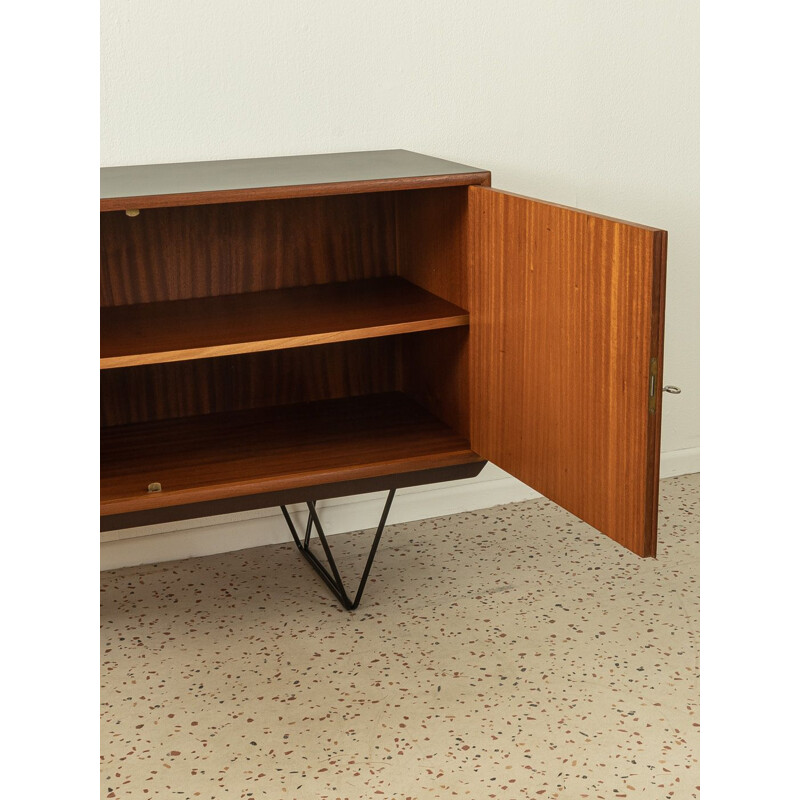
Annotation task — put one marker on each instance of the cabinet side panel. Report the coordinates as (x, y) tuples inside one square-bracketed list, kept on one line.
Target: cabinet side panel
[(432, 252), (235, 383), (435, 369), (433, 241), (566, 316), (210, 250)]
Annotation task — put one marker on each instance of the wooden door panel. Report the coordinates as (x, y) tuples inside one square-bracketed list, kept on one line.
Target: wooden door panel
[(566, 316)]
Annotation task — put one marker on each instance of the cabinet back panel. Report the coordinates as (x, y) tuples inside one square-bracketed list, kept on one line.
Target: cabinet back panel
[(205, 386), (210, 250)]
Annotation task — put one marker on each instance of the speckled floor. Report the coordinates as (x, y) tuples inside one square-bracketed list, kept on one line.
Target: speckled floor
[(507, 653)]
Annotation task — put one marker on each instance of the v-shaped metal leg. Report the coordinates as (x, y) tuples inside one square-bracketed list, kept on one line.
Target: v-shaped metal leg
[(331, 577)]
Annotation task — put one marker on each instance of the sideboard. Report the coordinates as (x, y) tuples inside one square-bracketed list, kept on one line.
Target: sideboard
[(283, 330)]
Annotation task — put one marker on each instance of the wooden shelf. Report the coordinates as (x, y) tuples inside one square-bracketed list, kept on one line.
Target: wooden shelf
[(216, 456), (181, 330)]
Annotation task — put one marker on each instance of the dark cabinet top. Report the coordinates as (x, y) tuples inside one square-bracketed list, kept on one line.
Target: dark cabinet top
[(202, 182)]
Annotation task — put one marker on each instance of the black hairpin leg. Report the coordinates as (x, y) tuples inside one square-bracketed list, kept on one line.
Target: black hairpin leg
[(331, 577)]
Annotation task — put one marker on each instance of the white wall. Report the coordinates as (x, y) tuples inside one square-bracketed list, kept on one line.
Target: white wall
[(591, 104)]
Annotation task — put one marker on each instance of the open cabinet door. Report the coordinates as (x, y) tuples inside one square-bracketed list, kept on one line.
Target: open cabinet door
[(566, 341)]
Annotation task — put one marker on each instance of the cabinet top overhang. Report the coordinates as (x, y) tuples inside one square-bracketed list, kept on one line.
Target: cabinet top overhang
[(242, 180)]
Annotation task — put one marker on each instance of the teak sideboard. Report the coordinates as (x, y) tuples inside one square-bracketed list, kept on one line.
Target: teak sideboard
[(280, 330)]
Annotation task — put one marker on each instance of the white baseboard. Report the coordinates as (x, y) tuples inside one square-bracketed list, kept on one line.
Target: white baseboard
[(228, 532), (680, 462)]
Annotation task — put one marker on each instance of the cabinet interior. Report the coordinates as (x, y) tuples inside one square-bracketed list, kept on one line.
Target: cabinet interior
[(235, 359)]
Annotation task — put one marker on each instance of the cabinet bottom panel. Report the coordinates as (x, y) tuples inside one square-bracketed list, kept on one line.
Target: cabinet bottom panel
[(321, 491), (235, 454)]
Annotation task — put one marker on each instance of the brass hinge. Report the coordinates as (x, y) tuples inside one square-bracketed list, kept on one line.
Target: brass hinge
[(651, 406)]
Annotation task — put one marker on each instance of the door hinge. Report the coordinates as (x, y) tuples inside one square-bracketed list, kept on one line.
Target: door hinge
[(651, 406)]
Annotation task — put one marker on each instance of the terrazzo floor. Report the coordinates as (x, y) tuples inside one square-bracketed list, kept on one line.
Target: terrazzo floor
[(512, 652)]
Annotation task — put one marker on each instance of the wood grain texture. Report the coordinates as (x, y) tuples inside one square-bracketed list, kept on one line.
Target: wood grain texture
[(207, 251), (433, 252), (435, 372), (253, 179), (198, 459), (433, 241), (566, 313), (278, 377), (657, 352), (181, 330)]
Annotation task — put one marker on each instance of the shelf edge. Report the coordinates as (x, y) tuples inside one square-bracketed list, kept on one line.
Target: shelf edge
[(285, 482), (285, 343)]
